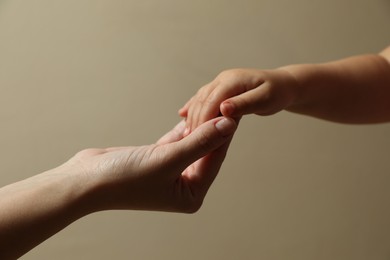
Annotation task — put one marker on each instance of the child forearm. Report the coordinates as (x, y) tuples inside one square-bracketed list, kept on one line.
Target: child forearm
[(352, 90)]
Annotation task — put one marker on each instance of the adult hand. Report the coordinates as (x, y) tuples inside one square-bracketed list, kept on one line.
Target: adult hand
[(172, 175)]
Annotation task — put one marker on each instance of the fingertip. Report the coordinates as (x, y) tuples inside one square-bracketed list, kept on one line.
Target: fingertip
[(183, 112), (227, 108), (226, 126)]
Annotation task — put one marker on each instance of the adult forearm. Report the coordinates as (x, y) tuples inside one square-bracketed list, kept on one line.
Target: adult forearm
[(36, 208), (352, 90)]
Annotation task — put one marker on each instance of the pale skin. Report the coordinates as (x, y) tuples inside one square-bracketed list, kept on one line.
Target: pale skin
[(354, 90), (174, 175)]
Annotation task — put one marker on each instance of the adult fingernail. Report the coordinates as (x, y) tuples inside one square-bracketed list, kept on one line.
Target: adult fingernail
[(226, 126)]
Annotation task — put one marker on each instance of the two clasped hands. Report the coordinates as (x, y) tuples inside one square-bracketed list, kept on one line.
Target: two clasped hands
[(175, 173)]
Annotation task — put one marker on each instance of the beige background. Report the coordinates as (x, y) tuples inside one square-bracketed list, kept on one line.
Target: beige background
[(95, 73)]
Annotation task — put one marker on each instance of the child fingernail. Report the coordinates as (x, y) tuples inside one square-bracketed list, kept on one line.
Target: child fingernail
[(227, 108)]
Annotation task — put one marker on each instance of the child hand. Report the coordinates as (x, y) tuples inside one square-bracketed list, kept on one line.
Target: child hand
[(237, 92)]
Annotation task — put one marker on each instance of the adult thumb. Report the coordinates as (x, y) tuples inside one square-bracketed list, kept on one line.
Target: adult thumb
[(203, 140)]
